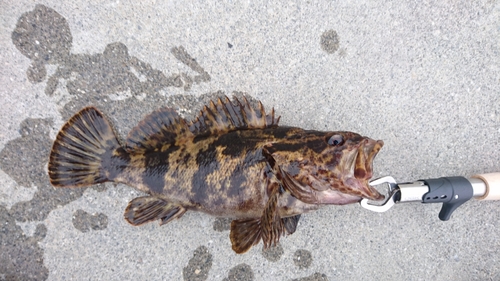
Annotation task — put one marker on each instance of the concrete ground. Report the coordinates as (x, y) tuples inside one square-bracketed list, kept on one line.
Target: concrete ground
[(424, 76)]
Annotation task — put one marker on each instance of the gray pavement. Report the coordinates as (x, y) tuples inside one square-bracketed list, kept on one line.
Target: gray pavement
[(423, 77)]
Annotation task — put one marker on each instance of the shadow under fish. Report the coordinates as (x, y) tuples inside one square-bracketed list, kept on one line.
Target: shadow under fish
[(233, 160)]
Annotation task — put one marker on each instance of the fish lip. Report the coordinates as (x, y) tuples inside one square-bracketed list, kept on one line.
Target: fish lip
[(369, 149)]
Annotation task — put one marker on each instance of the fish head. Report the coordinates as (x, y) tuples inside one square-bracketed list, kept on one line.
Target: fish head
[(335, 167)]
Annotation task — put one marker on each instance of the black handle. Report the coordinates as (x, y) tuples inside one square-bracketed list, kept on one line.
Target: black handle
[(451, 191)]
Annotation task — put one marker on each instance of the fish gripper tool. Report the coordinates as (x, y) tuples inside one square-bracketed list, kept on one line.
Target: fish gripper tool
[(451, 191)]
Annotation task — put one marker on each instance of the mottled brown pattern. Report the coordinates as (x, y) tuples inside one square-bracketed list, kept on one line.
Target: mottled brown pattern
[(232, 161)]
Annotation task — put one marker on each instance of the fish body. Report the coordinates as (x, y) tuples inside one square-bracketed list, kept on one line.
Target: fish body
[(233, 160)]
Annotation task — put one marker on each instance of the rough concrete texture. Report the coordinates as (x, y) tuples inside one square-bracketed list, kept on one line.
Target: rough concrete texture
[(424, 76), (302, 258)]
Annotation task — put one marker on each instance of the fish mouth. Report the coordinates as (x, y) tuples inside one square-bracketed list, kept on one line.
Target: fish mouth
[(361, 169)]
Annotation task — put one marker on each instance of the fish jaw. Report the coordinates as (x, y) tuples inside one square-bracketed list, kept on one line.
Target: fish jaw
[(357, 174)]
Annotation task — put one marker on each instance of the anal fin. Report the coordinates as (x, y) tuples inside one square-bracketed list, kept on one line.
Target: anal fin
[(149, 208), (244, 234)]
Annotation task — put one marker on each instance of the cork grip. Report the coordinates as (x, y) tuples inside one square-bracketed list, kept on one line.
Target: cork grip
[(492, 182)]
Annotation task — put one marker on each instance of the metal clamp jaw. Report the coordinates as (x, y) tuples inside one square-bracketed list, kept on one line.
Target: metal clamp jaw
[(451, 191), (380, 207)]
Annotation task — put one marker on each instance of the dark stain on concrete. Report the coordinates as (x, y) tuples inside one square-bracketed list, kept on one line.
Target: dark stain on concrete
[(182, 55), (20, 256), (24, 160), (199, 265), (222, 224), (273, 253), (85, 222), (302, 258), (241, 272), (330, 41), (315, 277), (44, 36)]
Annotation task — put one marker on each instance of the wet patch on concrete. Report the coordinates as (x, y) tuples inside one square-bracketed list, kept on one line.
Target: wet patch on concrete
[(302, 258), (182, 55), (24, 159), (315, 277), (222, 224), (330, 41), (21, 258), (241, 272), (199, 265), (43, 35), (273, 253), (85, 222)]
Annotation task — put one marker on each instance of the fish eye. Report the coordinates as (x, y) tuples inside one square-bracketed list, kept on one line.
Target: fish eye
[(336, 140)]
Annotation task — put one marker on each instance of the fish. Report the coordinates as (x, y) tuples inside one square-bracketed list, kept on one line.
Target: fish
[(232, 160)]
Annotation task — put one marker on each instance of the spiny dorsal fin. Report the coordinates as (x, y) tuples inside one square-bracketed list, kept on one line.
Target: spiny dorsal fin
[(156, 130), (165, 127), (225, 116)]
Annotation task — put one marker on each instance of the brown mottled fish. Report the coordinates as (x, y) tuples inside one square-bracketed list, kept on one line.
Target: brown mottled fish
[(232, 160)]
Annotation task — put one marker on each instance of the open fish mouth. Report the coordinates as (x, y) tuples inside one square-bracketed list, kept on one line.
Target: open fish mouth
[(361, 169)]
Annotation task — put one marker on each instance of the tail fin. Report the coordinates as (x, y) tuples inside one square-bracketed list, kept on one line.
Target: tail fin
[(83, 144)]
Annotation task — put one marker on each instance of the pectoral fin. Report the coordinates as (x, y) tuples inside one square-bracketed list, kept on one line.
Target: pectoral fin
[(271, 223), (269, 227), (304, 194), (149, 208)]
